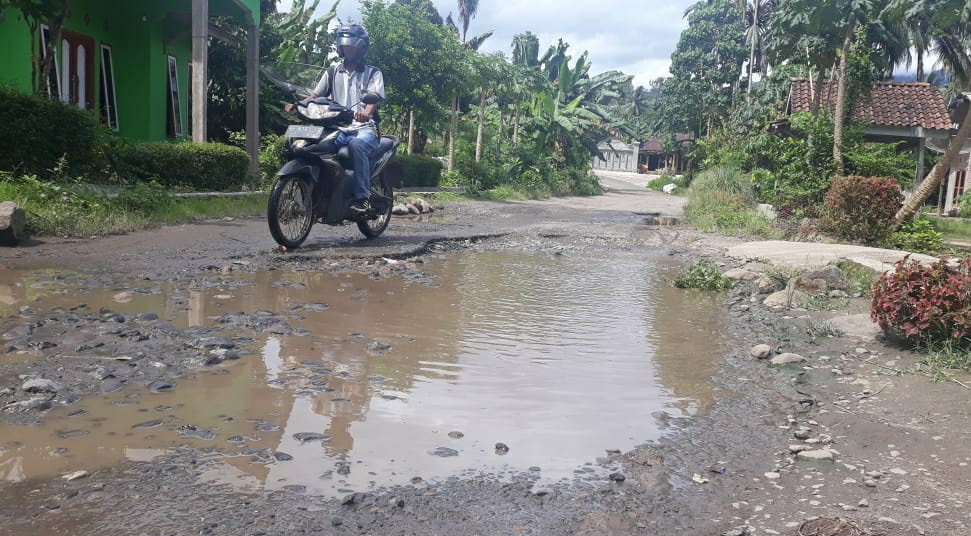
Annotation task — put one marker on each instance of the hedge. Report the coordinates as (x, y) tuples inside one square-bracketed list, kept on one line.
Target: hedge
[(197, 166), (408, 170), (38, 131)]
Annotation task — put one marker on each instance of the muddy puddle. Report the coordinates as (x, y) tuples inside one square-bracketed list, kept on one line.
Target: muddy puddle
[(383, 381)]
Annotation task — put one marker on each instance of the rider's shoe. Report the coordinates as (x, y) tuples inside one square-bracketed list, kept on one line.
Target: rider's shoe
[(360, 207)]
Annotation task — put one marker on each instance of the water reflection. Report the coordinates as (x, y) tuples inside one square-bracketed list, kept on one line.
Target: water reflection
[(558, 357)]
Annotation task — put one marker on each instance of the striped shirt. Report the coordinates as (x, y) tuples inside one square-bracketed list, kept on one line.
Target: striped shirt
[(348, 88)]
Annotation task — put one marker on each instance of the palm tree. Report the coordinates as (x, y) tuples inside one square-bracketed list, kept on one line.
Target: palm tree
[(467, 11), (756, 14), (948, 25)]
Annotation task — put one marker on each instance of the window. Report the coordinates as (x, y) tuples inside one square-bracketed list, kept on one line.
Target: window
[(175, 104), (109, 103), (53, 82), (959, 178), (188, 126)]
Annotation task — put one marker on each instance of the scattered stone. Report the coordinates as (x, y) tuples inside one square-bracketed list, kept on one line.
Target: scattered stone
[(282, 456), (76, 475), (786, 298), (122, 297), (870, 483), (502, 448), (161, 386), (444, 452), (744, 530), (617, 477), (787, 358), (192, 431), (378, 347), (13, 220), (802, 433), (147, 424), (41, 385), (772, 475), (863, 503), (303, 437), (761, 351), (816, 455), (825, 526), (796, 449), (456, 435)]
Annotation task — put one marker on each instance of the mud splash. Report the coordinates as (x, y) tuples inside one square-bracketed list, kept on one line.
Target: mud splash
[(556, 357)]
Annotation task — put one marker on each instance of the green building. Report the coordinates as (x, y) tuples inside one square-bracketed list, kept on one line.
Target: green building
[(140, 64)]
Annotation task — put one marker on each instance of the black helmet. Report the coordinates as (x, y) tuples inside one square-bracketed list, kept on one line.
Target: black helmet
[(353, 35)]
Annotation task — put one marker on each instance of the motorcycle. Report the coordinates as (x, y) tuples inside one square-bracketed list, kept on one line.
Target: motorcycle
[(317, 180)]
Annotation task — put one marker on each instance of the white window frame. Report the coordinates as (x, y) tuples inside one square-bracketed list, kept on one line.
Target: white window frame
[(45, 31), (173, 71), (108, 73)]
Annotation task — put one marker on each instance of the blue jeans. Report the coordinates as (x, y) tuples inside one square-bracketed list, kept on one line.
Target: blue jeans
[(362, 144)]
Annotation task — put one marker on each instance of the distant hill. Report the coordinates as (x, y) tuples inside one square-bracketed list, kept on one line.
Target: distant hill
[(939, 77)]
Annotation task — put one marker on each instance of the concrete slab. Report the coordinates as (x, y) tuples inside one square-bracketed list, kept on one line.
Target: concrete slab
[(812, 255)]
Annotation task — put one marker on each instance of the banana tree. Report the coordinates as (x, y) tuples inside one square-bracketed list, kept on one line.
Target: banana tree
[(306, 37), (568, 116)]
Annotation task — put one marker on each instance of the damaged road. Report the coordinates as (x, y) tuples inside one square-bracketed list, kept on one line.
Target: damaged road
[(500, 368)]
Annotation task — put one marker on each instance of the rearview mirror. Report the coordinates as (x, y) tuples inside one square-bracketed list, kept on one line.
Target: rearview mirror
[(371, 98)]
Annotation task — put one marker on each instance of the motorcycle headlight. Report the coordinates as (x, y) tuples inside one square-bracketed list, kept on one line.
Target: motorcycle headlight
[(316, 111), (299, 143)]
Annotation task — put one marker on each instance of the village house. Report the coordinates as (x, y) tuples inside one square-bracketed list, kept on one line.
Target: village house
[(142, 66), (909, 112)]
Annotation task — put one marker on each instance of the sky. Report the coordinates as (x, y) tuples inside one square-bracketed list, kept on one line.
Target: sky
[(633, 36)]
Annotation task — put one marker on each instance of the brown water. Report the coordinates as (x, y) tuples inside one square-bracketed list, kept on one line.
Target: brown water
[(560, 358)]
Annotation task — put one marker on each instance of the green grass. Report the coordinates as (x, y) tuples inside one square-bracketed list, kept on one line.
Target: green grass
[(58, 210), (721, 201), (657, 184), (860, 279), (822, 302), (952, 228)]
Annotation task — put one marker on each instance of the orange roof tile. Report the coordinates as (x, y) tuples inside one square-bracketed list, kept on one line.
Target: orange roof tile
[(893, 104)]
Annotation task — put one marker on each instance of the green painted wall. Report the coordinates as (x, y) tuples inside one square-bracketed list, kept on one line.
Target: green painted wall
[(141, 35)]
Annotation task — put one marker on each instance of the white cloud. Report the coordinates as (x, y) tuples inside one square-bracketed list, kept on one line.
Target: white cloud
[(634, 36)]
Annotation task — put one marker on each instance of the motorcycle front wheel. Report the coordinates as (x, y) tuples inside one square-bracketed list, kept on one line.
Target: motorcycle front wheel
[(372, 228), (289, 212)]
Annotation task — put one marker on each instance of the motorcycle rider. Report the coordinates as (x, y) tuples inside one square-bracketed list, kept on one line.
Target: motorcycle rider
[(352, 80)]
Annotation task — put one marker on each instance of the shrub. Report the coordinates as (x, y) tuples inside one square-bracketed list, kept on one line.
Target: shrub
[(272, 147), (142, 197), (964, 205), (658, 183), (703, 275), (416, 170), (197, 166), (721, 200), (926, 305), (861, 208), (37, 132), (918, 236)]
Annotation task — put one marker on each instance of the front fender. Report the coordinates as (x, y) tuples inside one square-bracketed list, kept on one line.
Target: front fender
[(299, 167)]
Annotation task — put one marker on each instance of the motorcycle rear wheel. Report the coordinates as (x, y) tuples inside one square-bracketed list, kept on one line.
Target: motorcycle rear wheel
[(289, 212), (373, 228)]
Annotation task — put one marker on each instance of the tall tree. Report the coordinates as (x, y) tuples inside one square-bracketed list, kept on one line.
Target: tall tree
[(422, 61), (468, 9), (948, 24), (755, 18), (705, 66)]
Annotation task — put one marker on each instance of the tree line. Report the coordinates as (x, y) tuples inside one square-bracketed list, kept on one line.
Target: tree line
[(731, 68)]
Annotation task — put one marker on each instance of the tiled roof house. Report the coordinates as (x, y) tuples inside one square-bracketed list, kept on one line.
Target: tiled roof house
[(896, 111)]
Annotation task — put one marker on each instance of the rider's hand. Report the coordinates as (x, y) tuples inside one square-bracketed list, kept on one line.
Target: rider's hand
[(290, 107), (362, 117)]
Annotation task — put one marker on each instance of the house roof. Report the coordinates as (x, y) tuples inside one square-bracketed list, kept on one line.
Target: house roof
[(656, 145), (891, 104)]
